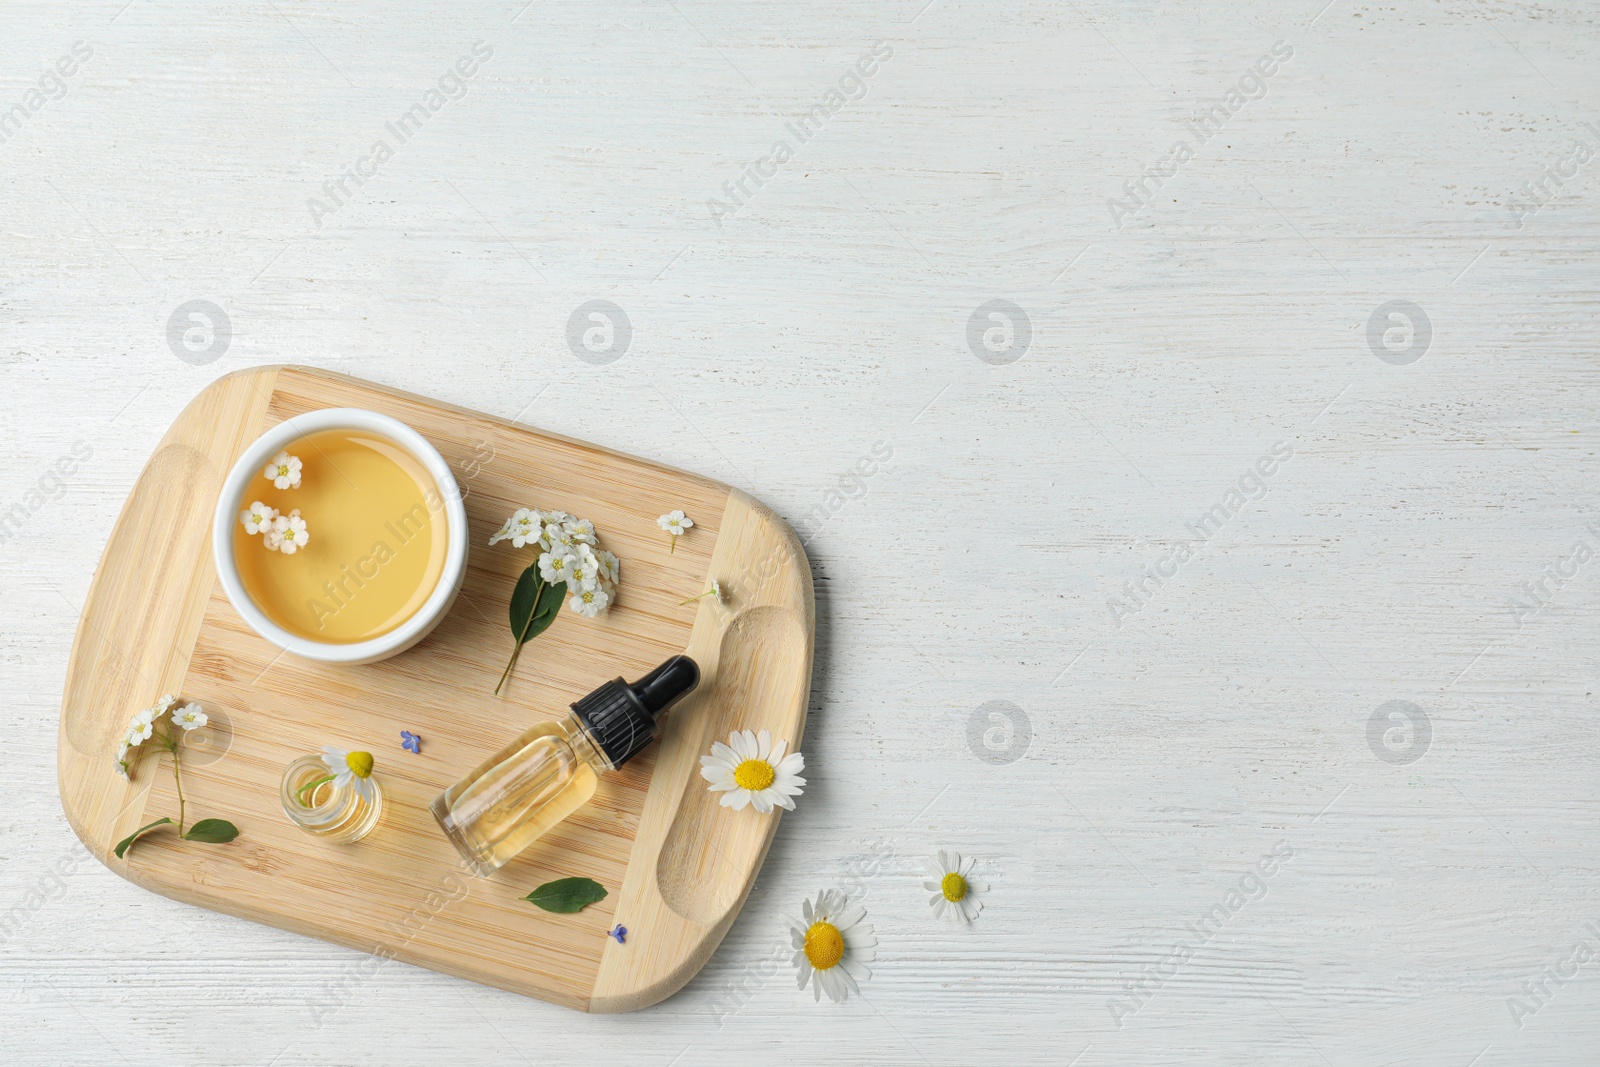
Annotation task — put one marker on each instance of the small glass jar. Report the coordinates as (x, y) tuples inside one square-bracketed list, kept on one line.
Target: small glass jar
[(341, 813)]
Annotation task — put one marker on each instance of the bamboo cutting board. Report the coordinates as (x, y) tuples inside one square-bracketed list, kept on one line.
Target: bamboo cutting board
[(677, 866)]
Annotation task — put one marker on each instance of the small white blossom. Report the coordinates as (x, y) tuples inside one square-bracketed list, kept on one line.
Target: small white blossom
[(122, 759), (590, 602), (284, 471), (257, 518), (577, 532), (556, 566), (523, 526), (583, 572), (190, 717), (610, 566), (675, 522), (291, 531), (138, 730)]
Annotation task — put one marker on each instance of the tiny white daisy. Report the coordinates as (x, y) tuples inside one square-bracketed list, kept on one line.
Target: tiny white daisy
[(291, 531), (610, 566), (590, 602), (349, 769), (257, 517), (954, 891), (751, 770), (122, 759), (190, 717), (832, 946), (284, 471)]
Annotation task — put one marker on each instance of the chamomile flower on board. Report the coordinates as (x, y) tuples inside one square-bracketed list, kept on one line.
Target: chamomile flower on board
[(122, 759), (284, 471), (291, 531), (190, 717), (954, 891), (349, 768), (610, 566), (832, 946), (674, 522), (751, 771), (257, 518)]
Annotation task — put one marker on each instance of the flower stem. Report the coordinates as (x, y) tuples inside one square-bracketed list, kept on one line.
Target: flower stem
[(301, 792), (177, 778), (538, 591)]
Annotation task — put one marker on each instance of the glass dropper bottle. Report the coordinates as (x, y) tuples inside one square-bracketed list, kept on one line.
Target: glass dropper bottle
[(553, 768)]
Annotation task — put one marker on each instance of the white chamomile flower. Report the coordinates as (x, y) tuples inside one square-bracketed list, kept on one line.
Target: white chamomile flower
[(832, 946), (257, 517), (352, 769), (190, 717), (556, 566), (291, 531), (284, 471), (590, 602), (954, 891), (122, 759), (610, 566), (751, 770), (162, 706)]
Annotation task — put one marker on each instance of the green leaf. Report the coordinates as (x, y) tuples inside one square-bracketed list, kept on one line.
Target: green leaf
[(549, 597), (566, 895), (127, 842), (212, 831)]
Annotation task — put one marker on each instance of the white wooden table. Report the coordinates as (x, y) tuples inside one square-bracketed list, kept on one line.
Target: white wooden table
[(1174, 315)]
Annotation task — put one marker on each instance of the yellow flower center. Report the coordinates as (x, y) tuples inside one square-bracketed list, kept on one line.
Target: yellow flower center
[(954, 887), (824, 945), (755, 775), (360, 764)]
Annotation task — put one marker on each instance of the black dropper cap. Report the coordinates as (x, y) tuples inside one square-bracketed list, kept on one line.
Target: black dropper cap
[(621, 718)]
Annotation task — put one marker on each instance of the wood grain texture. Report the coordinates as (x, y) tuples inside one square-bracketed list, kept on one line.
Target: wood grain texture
[(772, 352), (401, 892)]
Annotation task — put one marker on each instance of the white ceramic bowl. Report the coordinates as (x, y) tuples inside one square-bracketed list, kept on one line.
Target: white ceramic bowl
[(233, 498)]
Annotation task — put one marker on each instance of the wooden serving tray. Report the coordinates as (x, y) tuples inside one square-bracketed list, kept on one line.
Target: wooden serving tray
[(676, 864)]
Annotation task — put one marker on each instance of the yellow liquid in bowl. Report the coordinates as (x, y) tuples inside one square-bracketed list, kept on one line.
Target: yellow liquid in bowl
[(376, 540)]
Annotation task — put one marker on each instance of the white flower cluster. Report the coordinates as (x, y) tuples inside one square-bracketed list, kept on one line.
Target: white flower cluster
[(280, 533), (567, 553), (142, 725)]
